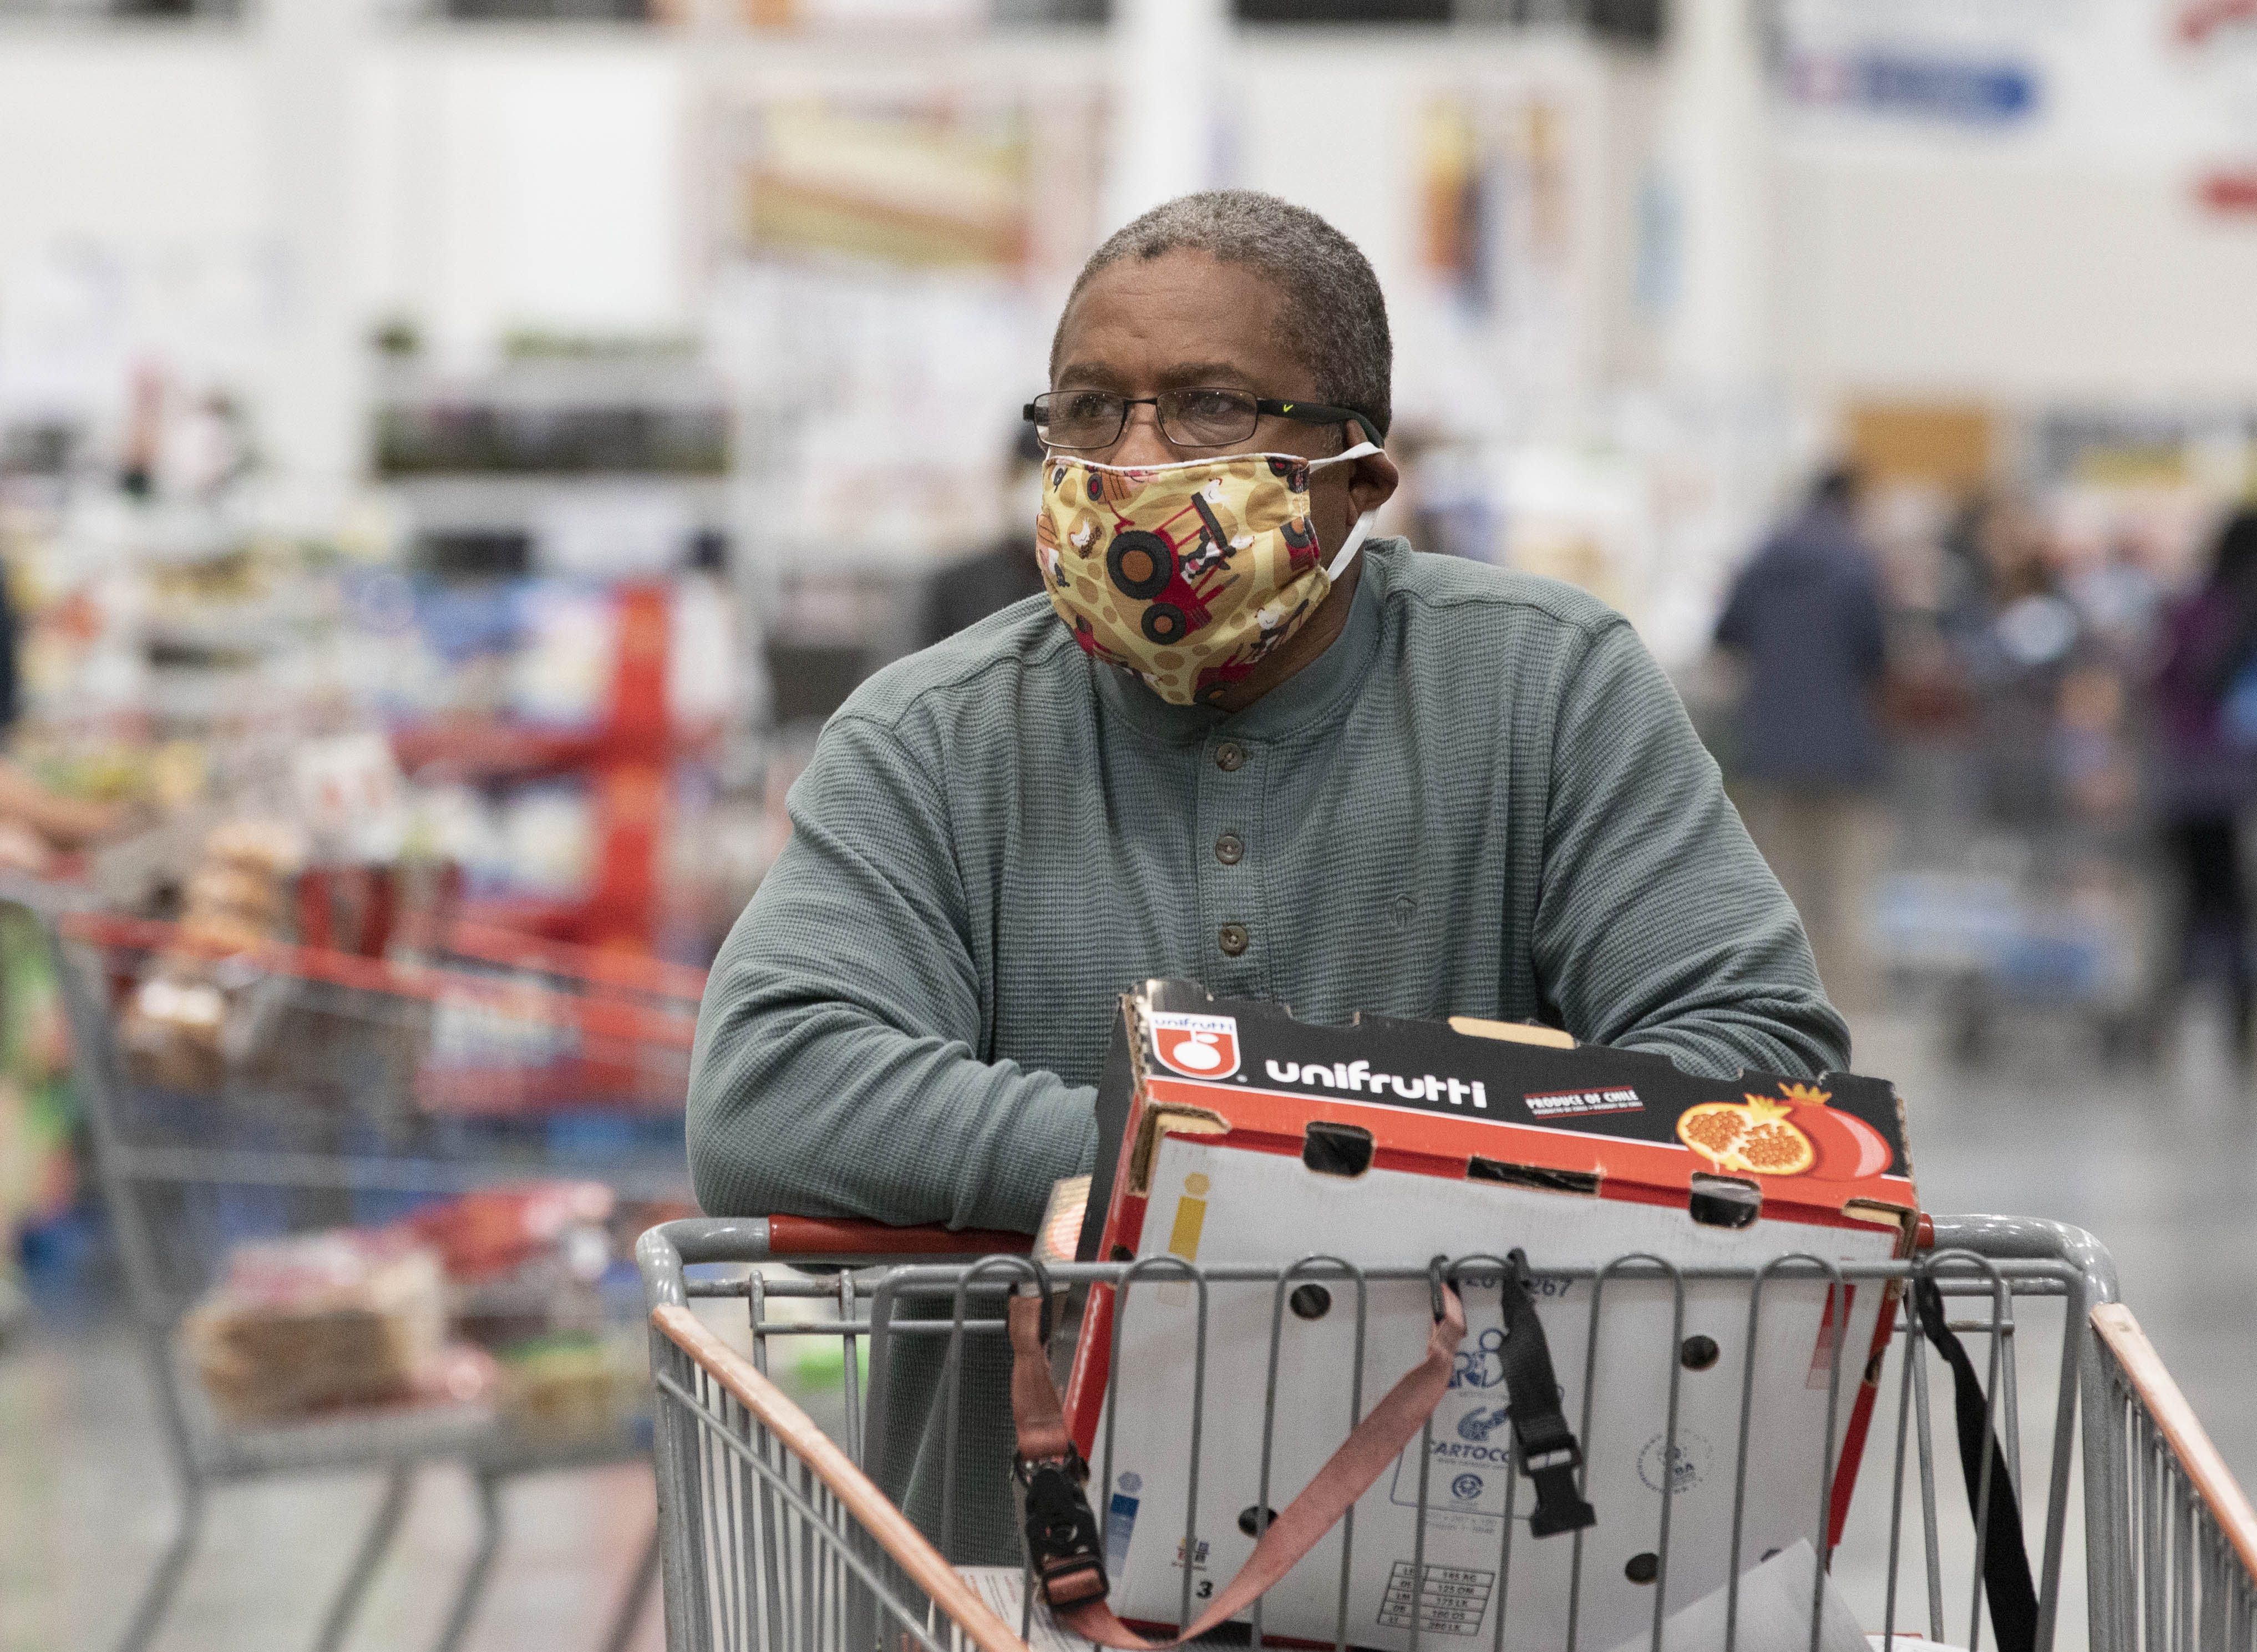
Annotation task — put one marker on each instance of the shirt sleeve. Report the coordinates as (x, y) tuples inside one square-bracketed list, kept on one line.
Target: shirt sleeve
[(836, 1071), (1660, 926)]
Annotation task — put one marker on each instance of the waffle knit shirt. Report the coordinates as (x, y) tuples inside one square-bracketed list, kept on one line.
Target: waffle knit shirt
[(1485, 798)]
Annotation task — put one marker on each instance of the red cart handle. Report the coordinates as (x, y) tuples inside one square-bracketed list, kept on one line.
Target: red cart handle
[(815, 1236)]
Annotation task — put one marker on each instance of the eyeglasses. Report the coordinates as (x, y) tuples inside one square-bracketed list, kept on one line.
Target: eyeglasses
[(1194, 418)]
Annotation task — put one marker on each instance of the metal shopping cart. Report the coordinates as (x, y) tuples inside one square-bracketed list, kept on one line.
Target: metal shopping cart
[(776, 1537), (337, 1090)]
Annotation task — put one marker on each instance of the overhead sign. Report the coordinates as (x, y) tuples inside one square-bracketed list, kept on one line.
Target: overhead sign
[(1973, 91)]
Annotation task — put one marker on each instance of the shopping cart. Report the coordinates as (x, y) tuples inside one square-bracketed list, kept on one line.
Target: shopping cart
[(2026, 939), (342, 1091), (775, 1535)]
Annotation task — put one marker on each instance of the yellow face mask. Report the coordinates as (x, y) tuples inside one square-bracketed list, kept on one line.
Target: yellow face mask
[(1187, 574)]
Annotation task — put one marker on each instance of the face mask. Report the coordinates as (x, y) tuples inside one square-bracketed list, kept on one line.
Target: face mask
[(1190, 574)]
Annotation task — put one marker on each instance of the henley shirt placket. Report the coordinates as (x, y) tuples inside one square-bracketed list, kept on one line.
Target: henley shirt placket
[(1226, 849)]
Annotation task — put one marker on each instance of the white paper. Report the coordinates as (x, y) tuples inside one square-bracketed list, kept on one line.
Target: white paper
[(1001, 1587), (1774, 1614)]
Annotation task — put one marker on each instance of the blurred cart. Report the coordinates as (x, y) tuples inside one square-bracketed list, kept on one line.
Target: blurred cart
[(2018, 941), (237, 1094), (777, 1536)]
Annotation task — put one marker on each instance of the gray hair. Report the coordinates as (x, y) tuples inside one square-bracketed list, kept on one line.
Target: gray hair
[(1334, 317)]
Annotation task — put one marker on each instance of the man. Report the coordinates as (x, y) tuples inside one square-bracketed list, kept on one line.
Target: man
[(1414, 785), (1805, 616)]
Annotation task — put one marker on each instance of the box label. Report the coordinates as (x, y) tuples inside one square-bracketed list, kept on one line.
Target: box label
[(1451, 1599), (1470, 1446), (1616, 1098)]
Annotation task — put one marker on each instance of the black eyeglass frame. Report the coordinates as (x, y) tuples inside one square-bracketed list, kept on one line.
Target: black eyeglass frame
[(1301, 412)]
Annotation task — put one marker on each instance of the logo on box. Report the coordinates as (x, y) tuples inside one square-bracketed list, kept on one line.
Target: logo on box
[(1196, 1045), (1481, 1366), (1688, 1464)]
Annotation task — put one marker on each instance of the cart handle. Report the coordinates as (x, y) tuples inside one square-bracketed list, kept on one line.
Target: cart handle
[(818, 1236), (2025, 1239), (629, 1022), (655, 977), (667, 1248)]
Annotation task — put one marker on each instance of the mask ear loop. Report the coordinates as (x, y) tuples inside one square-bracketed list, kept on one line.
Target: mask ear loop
[(1356, 535), (1362, 531)]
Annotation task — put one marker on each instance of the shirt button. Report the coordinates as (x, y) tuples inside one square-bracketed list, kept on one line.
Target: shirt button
[(1230, 756), (1229, 848), (1233, 938)]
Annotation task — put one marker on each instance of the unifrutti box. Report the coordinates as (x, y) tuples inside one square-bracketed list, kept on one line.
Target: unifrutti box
[(1234, 1133)]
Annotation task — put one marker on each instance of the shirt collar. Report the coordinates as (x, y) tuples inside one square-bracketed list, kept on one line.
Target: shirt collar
[(1317, 692)]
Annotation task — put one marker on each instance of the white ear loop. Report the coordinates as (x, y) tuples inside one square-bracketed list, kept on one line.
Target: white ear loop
[(1356, 452), (1356, 535), (1362, 531)]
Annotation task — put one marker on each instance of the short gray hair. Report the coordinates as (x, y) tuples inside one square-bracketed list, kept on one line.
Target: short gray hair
[(1335, 318)]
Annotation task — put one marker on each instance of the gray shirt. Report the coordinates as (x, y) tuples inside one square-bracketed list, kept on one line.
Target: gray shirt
[(1483, 799)]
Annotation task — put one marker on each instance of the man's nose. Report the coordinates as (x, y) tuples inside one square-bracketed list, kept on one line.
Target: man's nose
[(1141, 441)]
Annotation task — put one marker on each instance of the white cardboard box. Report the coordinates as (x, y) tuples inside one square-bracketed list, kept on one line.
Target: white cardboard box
[(1207, 1172)]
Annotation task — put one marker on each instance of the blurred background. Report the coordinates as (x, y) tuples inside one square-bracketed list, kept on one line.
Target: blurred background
[(453, 456)]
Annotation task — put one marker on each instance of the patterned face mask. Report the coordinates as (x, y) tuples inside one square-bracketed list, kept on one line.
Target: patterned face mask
[(1187, 574)]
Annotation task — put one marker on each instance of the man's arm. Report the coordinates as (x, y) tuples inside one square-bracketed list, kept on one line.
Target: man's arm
[(1660, 926), (836, 1071)]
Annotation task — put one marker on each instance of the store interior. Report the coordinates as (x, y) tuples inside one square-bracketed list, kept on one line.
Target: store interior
[(453, 457)]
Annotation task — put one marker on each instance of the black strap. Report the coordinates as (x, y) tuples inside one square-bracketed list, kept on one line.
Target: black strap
[(1544, 1445), (2006, 1563)]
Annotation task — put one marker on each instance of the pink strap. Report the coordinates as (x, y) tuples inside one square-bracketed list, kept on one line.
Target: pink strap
[(1346, 1476)]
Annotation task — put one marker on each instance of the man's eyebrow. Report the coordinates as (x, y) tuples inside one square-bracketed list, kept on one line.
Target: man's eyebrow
[(1099, 376), (1221, 374), (1092, 374)]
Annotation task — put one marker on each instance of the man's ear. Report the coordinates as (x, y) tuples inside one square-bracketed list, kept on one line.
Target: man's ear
[(1371, 484)]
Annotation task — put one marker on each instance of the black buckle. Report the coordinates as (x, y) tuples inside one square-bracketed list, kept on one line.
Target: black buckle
[(1546, 1443), (1062, 1542), (1563, 1456), (1072, 1464), (1558, 1507)]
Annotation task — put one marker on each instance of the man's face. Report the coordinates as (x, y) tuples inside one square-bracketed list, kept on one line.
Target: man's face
[(1185, 320)]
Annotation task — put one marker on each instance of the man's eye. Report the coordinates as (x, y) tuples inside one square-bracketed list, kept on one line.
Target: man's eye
[(1212, 404), (1087, 404)]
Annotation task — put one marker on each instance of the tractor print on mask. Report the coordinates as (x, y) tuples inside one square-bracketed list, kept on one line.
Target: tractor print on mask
[(1188, 575)]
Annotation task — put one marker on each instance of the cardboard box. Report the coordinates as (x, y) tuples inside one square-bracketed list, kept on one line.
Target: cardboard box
[(1234, 1133)]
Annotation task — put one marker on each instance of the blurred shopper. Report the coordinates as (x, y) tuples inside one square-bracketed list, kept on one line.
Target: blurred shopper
[(1806, 617), (2206, 716), (2022, 664), (966, 592), (2120, 598), (1240, 745)]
